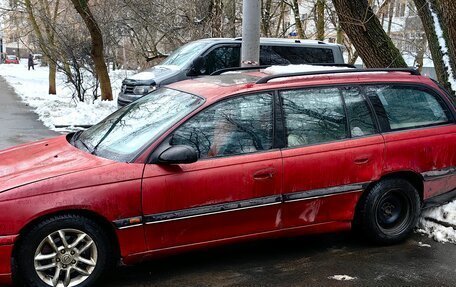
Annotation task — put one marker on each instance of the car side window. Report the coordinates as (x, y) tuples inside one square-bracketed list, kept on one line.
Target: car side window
[(232, 127), (222, 58), (284, 55), (361, 119), (406, 107), (313, 116)]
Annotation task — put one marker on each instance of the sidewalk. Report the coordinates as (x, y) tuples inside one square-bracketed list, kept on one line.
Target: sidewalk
[(18, 123)]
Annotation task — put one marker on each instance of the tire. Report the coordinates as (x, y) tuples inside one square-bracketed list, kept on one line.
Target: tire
[(85, 263), (389, 211)]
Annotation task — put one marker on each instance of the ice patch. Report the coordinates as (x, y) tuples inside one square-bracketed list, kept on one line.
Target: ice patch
[(421, 244), (342, 277)]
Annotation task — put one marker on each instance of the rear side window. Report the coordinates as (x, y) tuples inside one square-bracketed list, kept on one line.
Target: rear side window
[(313, 116), (360, 117), (403, 107), (283, 55)]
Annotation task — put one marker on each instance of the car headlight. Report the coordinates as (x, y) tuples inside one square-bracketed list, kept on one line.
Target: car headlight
[(142, 90)]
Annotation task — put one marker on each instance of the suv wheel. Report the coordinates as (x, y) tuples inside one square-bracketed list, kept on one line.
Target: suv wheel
[(66, 250), (389, 211)]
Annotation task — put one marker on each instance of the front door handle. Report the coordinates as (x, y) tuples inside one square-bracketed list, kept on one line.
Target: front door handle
[(264, 174), (362, 160)]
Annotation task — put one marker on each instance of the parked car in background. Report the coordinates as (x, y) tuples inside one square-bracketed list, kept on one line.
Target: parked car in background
[(11, 59), (37, 59), (206, 56), (222, 159)]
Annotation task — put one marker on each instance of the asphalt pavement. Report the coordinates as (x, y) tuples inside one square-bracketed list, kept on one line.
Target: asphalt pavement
[(304, 261), (18, 124)]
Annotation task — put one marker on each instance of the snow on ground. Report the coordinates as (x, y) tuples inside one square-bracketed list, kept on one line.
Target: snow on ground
[(342, 277), (439, 223), (61, 109)]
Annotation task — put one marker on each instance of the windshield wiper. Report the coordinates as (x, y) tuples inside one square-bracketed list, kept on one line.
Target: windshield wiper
[(85, 145), (76, 136)]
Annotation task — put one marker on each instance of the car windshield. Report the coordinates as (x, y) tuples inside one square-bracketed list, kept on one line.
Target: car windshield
[(123, 134), (11, 57), (185, 54)]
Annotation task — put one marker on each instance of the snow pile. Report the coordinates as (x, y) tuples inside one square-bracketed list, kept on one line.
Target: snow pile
[(62, 109), (439, 223), (275, 70), (342, 277)]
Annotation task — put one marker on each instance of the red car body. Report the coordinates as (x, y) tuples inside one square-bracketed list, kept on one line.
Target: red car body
[(11, 60), (151, 209)]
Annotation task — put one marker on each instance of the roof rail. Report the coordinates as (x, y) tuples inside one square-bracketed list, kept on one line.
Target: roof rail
[(221, 71), (266, 79)]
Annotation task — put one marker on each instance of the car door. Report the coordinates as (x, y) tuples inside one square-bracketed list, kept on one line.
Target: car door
[(419, 132), (234, 188), (333, 151)]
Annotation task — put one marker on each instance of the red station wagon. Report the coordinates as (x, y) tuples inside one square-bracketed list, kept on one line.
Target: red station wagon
[(227, 158)]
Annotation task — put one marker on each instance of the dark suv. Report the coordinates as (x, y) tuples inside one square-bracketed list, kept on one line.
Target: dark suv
[(206, 56)]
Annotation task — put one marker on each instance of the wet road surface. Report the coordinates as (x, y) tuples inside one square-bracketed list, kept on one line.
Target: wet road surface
[(306, 261)]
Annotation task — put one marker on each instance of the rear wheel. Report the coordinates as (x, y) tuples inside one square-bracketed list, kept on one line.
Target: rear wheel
[(389, 211), (66, 250)]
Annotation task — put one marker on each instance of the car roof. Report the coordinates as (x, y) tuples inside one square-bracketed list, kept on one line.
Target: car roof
[(213, 88), (274, 41)]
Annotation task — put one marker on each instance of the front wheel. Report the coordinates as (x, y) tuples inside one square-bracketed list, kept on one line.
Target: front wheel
[(67, 251), (389, 211)]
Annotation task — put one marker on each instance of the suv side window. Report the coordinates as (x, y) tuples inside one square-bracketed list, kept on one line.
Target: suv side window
[(404, 107), (361, 119), (235, 126), (313, 116), (222, 58), (284, 55)]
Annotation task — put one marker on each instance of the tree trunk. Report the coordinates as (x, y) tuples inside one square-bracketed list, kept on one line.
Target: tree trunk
[(320, 13), (97, 52), (427, 19), (448, 10), (230, 12), (216, 18), (367, 35), (45, 39), (421, 49), (266, 17), (297, 15), (52, 76), (390, 16)]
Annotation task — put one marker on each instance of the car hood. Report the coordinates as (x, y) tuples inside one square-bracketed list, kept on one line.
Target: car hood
[(154, 75), (34, 162)]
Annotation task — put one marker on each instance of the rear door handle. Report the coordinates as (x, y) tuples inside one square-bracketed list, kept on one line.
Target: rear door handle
[(264, 174), (362, 160)]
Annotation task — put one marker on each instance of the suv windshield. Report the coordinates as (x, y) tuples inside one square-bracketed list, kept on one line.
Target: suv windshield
[(185, 54), (124, 133)]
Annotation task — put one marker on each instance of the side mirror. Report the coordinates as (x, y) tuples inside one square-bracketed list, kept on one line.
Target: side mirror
[(178, 154), (198, 67)]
